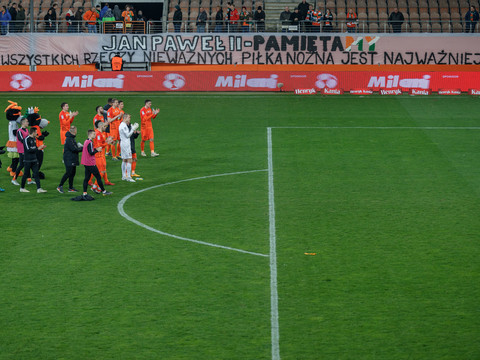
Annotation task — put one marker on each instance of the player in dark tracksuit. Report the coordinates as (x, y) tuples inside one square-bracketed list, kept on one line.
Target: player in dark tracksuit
[(70, 159), (30, 159)]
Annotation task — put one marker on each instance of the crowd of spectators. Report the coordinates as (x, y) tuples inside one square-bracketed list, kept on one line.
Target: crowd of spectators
[(303, 18), (232, 20), (75, 19)]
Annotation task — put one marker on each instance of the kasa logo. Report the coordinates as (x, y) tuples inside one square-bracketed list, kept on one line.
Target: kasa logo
[(88, 81), (21, 82)]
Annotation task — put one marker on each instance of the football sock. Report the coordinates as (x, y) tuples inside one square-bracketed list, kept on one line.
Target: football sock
[(152, 146), (134, 163), (142, 146), (129, 169)]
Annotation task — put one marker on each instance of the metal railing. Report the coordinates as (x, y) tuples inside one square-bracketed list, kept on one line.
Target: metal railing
[(151, 27), (337, 26)]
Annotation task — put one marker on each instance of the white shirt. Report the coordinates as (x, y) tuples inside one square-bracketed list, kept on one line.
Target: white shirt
[(125, 134)]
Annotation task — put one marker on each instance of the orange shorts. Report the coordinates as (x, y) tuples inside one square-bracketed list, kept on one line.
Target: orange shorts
[(114, 133), (147, 133), (62, 135), (101, 163)]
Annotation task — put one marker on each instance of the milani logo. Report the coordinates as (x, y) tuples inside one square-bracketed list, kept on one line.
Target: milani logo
[(88, 81), (474, 92), (240, 81), (394, 81)]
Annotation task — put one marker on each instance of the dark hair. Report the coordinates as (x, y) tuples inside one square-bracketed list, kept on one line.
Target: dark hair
[(97, 123), (110, 100), (147, 100), (90, 131), (63, 104), (98, 107), (32, 130)]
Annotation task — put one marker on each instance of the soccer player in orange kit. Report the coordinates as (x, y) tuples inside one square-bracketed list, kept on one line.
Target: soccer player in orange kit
[(101, 141), (66, 118), (114, 117), (146, 116), (98, 116)]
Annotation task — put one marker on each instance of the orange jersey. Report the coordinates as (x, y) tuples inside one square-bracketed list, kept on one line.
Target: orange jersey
[(65, 120), (98, 118), (146, 116), (99, 141), (111, 113)]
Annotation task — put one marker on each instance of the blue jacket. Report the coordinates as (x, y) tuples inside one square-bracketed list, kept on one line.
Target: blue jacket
[(5, 18)]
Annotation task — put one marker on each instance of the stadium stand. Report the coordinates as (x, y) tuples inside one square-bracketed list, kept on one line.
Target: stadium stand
[(420, 15)]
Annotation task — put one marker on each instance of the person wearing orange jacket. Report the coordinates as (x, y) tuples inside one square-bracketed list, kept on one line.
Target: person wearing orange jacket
[(127, 16), (117, 62), (91, 17), (351, 21)]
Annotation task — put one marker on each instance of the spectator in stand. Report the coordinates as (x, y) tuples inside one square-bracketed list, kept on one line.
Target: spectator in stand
[(91, 17), (70, 17), (140, 28), (471, 19), (117, 13), (49, 21), (309, 19), (127, 17), (219, 20), (177, 19), (108, 17), (78, 20), (201, 20), (285, 19), (245, 17), (327, 21), (259, 18), (316, 18), (396, 20), (20, 18), (295, 19), (13, 14), (303, 8), (5, 18), (104, 11), (232, 18), (352, 20), (54, 15)]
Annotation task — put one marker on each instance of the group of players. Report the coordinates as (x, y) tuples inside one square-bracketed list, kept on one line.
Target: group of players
[(113, 135)]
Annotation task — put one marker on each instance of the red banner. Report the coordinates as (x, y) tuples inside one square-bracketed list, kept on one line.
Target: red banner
[(237, 81)]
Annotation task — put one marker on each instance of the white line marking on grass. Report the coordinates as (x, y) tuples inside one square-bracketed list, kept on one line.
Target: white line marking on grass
[(122, 212), (273, 255), (381, 127)]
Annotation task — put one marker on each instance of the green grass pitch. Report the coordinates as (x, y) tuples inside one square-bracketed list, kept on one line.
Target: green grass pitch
[(384, 190)]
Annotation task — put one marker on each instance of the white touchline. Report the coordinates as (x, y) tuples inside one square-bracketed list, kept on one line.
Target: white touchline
[(382, 127), (273, 255), (122, 212)]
